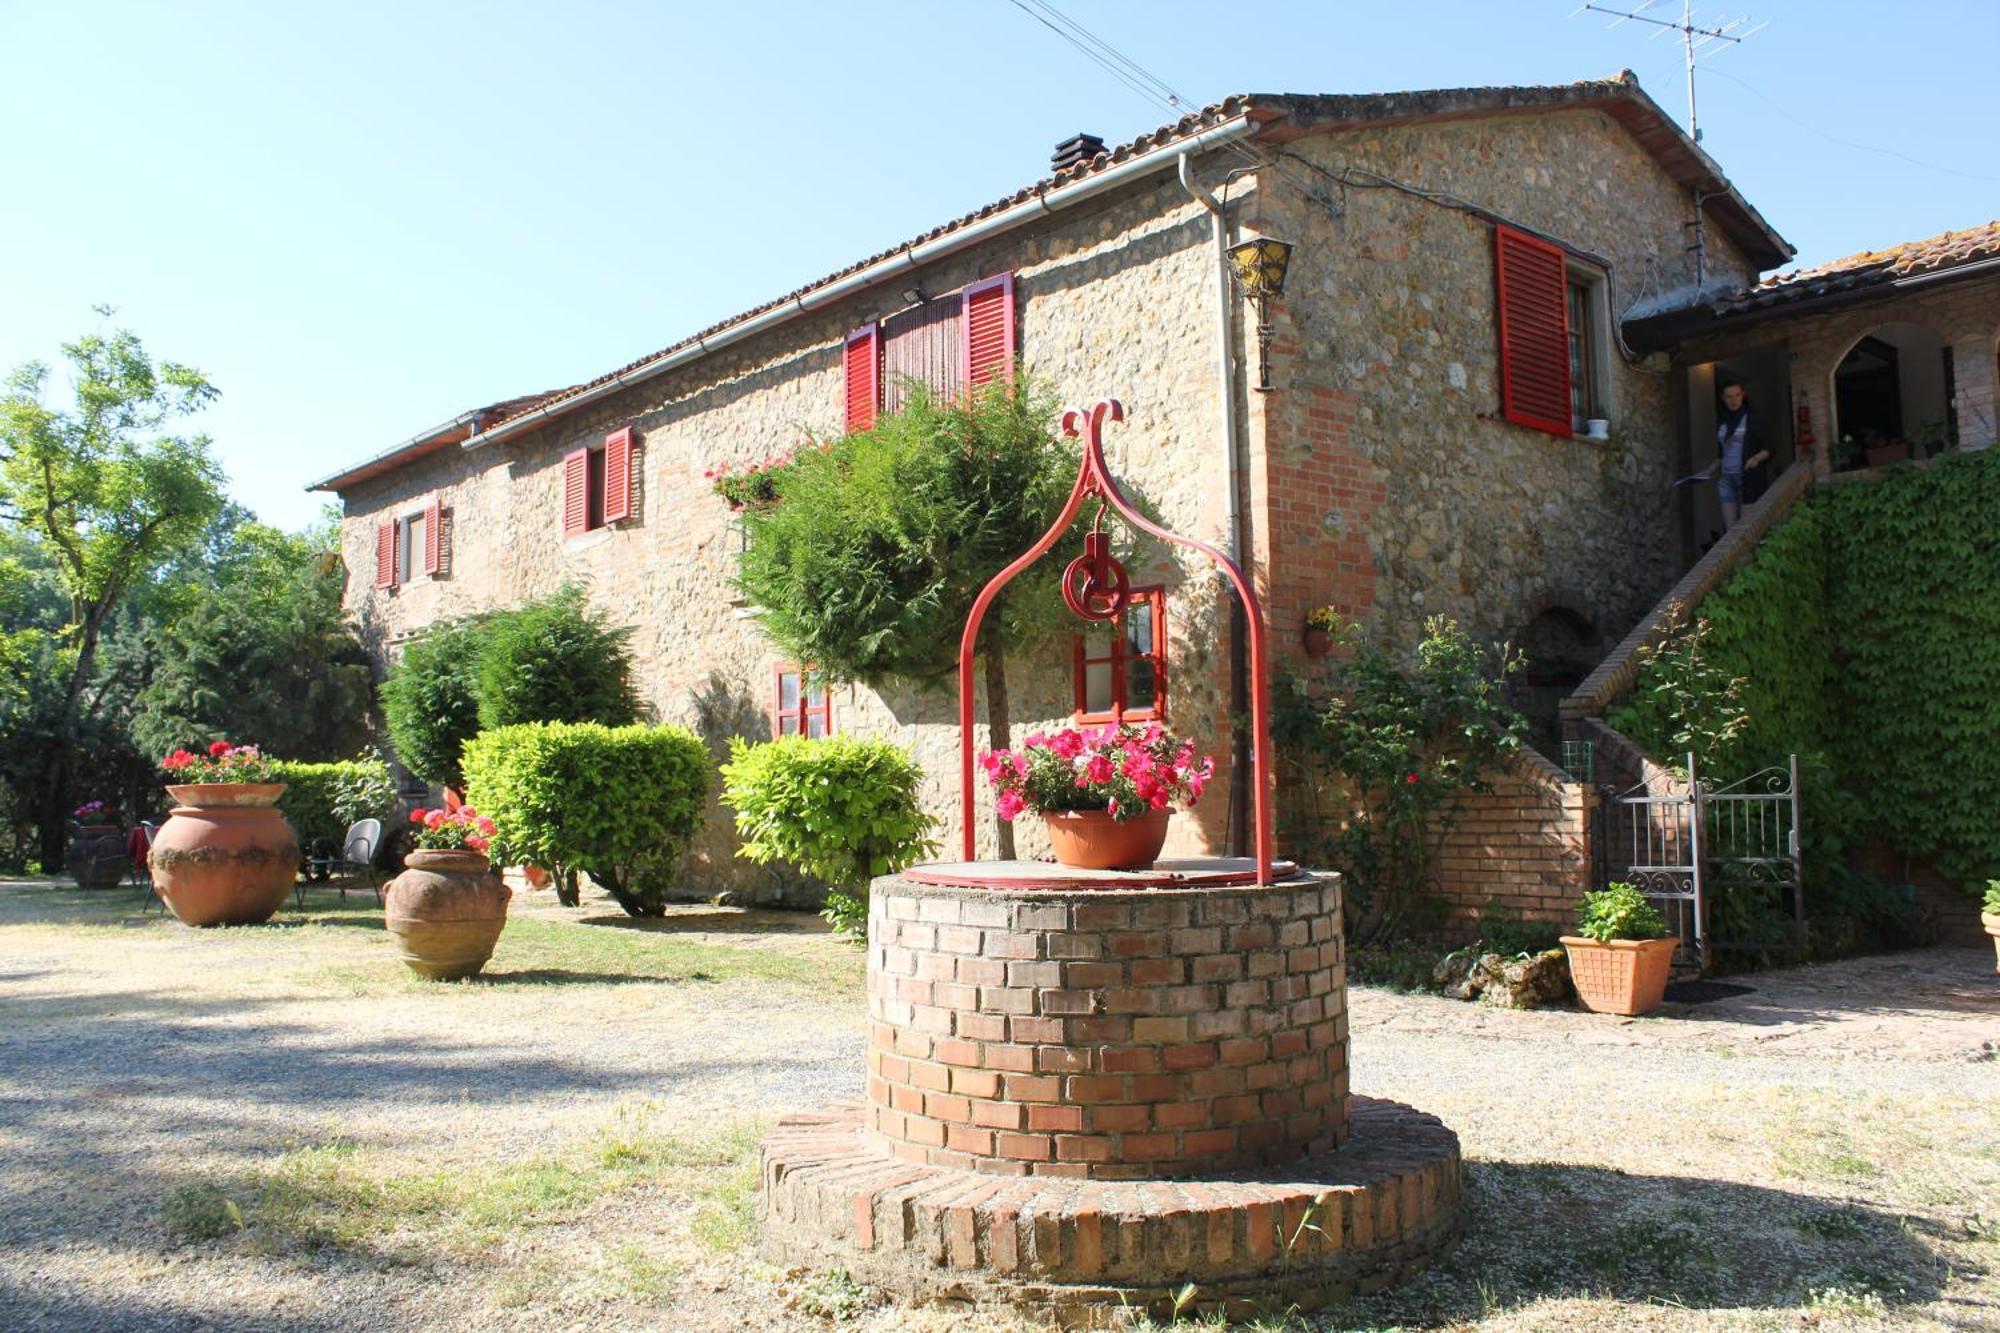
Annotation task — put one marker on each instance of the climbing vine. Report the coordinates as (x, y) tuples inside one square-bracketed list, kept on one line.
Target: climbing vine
[(1866, 637)]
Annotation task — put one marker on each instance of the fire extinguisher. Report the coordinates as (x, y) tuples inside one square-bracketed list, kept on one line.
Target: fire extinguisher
[(1805, 425)]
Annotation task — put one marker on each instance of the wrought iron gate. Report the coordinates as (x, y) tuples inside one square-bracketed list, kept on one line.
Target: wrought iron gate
[(1722, 863)]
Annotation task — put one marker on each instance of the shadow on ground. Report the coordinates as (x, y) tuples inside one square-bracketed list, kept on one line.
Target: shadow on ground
[(720, 922), (1548, 1231)]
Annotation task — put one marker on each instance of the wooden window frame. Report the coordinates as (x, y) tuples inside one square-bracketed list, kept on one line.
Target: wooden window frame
[(598, 510), (1120, 657), (1584, 294), (801, 713)]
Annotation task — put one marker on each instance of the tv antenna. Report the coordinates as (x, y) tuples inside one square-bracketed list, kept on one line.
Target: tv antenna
[(1696, 41)]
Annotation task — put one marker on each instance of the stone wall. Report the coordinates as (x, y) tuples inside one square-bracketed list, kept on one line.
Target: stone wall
[(1389, 484)]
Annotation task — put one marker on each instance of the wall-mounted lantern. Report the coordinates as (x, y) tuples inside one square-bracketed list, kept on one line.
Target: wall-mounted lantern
[(1260, 266)]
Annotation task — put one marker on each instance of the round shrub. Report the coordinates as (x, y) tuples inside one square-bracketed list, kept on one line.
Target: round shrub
[(431, 700), (555, 661), (841, 809), (616, 803)]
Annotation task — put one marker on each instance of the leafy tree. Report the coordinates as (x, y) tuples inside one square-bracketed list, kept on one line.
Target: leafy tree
[(1405, 741), (431, 700), (108, 494), (555, 660), (868, 561), (262, 652)]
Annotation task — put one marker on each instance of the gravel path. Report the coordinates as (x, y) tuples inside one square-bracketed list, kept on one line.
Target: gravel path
[(1855, 1099)]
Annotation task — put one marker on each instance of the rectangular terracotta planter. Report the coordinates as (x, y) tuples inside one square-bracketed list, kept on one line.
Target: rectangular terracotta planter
[(1620, 976)]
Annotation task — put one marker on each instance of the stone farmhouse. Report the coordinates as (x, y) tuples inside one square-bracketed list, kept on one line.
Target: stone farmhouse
[(1448, 419)]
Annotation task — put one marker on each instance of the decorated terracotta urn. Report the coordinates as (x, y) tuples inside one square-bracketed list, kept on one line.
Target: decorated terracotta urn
[(446, 911), (225, 856)]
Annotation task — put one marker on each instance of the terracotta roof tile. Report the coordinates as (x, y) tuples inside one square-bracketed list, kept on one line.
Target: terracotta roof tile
[(1869, 268)]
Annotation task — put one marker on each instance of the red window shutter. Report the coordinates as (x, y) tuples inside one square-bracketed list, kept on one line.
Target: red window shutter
[(385, 555), (576, 493), (864, 376), (1533, 281), (433, 536), (989, 329), (618, 475)]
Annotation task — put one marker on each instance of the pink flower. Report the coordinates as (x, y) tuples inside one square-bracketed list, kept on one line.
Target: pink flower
[(1111, 806), (1098, 768), (1411, 778), (434, 819), (476, 844), (218, 749), (488, 828), (1067, 743), (1158, 800), (417, 816), (1009, 804)]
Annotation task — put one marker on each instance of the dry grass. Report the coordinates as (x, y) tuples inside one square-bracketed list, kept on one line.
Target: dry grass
[(1824, 1154)]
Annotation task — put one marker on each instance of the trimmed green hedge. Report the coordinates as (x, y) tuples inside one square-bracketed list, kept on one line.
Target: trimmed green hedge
[(840, 808), (321, 800), (616, 803), (1866, 632)]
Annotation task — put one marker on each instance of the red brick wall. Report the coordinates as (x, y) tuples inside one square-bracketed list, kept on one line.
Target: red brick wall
[(1109, 1034), (1521, 850)]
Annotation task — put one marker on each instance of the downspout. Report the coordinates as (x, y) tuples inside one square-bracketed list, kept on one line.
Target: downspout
[(1239, 675)]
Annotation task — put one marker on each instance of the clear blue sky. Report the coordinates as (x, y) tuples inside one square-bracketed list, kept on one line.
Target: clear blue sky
[(361, 219)]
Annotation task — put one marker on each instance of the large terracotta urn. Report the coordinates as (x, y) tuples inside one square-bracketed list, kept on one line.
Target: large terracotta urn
[(446, 911), (1094, 840), (225, 856)]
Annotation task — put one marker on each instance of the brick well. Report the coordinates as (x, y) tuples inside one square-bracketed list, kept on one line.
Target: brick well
[(1082, 1099)]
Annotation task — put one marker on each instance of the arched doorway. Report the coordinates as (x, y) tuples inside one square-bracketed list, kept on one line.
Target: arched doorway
[(1559, 646), (1892, 395)]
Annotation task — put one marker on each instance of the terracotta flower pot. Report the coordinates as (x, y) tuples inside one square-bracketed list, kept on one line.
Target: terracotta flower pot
[(1620, 976), (446, 911), (1093, 840), (1318, 642), (96, 856), (225, 856), (1991, 920)]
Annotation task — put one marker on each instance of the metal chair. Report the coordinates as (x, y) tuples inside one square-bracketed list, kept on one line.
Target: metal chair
[(138, 845), (357, 853)]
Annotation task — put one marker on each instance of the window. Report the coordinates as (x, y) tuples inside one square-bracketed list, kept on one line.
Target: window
[(1122, 676), (404, 546), (803, 706), (1589, 347), (942, 343), (1532, 282), (597, 484)]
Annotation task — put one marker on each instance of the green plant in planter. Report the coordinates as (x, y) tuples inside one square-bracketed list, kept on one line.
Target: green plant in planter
[(1618, 912), (1991, 904), (841, 809)]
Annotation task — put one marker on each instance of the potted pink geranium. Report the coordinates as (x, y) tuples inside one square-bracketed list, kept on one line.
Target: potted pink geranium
[(1105, 793), (447, 908)]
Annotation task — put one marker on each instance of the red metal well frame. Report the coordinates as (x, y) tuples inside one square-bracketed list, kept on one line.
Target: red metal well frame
[(1094, 477)]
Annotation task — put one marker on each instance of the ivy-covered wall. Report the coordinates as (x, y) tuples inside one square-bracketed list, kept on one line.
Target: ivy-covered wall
[(1866, 634)]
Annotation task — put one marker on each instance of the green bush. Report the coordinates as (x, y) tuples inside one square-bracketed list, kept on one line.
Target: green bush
[(616, 803), (555, 661), (1991, 903), (1618, 912), (1866, 637), (431, 700), (841, 809), (321, 800)]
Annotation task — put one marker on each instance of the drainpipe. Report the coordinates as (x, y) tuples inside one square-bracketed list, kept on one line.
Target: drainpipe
[(1239, 674)]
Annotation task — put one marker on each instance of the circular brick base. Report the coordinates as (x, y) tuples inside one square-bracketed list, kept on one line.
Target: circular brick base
[(1305, 1234)]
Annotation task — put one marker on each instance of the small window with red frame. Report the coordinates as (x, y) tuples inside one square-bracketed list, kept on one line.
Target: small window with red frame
[(1122, 676), (803, 705)]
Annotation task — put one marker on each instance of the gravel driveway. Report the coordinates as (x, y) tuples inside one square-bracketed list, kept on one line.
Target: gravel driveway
[(1824, 1149)]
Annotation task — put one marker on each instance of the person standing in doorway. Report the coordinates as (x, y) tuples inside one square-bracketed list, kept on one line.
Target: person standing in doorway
[(1742, 454)]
